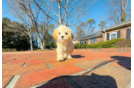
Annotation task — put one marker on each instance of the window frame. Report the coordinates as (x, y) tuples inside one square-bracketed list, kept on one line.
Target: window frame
[(113, 33), (94, 42)]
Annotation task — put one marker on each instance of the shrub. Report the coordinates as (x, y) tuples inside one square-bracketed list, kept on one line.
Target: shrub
[(83, 45), (49, 45), (101, 44), (77, 46), (124, 43), (8, 49)]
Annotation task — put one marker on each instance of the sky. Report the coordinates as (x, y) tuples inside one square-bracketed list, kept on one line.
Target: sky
[(97, 12)]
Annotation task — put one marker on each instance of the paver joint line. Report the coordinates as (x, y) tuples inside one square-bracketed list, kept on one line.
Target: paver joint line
[(48, 65), (82, 72), (129, 85), (13, 81), (24, 65), (74, 84), (5, 63)]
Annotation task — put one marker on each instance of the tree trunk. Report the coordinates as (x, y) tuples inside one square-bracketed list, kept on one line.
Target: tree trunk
[(41, 44), (44, 43), (31, 44), (59, 3)]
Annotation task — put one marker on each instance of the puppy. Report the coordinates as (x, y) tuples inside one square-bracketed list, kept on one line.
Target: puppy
[(65, 46)]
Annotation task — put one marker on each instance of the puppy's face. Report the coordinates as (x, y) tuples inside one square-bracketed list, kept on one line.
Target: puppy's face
[(63, 33)]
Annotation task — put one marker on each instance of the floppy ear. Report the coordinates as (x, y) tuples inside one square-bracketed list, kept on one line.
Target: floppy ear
[(55, 34), (72, 36)]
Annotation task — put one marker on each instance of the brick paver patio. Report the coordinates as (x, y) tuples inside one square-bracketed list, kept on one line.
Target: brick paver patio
[(84, 70)]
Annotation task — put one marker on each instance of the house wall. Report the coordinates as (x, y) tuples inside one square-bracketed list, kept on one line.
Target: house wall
[(122, 32), (103, 36), (99, 39), (90, 40)]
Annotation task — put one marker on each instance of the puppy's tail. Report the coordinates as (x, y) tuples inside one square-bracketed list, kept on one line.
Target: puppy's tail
[(76, 42)]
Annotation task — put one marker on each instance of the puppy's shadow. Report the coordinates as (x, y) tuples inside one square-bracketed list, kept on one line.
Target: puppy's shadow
[(77, 56)]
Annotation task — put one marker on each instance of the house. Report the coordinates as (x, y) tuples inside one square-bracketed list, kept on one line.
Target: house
[(76, 42), (120, 30), (93, 38)]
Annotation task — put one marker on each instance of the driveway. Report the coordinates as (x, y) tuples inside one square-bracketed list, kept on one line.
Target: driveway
[(85, 70)]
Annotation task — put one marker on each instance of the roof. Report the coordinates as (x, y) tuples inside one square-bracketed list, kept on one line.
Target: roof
[(119, 25), (97, 34)]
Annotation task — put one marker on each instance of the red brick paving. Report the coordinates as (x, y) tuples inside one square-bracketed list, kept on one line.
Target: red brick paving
[(5, 80), (34, 78), (37, 71), (63, 63)]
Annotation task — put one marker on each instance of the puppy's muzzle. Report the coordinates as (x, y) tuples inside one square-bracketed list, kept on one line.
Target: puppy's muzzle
[(62, 36)]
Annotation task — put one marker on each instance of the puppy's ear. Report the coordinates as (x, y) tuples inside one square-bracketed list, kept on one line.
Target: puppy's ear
[(72, 36), (55, 34)]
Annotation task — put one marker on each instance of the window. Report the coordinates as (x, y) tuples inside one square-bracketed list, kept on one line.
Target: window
[(94, 40), (113, 35), (128, 34), (81, 42)]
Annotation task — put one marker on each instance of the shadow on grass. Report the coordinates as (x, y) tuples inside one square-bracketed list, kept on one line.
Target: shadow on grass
[(93, 81)]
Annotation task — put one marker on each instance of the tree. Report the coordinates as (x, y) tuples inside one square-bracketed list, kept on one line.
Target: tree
[(85, 28), (26, 11), (118, 11), (91, 23), (66, 12), (12, 36), (80, 30), (102, 25)]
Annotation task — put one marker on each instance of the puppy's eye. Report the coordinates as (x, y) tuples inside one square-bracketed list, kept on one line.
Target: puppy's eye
[(66, 33), (59, 32)]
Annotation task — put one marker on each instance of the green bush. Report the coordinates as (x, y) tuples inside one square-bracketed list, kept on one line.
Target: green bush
[(8, 49), (101, 44), (77, 46), (49, 45), (124, 43), (83, 45)]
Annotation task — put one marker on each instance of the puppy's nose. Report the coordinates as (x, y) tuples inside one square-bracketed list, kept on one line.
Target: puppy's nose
[(62, 36)]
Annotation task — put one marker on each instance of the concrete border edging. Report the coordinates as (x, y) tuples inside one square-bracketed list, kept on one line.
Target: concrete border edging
[(13, 81), (125, 49)]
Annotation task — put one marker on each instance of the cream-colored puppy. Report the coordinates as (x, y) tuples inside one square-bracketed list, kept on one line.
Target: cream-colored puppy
[(65, 46)]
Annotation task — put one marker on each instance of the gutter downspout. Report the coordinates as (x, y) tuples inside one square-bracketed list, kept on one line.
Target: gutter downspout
[(105, 35)]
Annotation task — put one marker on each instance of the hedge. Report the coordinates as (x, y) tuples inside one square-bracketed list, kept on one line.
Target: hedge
[(8, 49), (49, 45), (101, 44), (124, 43)]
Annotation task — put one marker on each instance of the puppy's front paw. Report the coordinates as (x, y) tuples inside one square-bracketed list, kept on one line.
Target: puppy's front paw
[(65, 56), (69, 57), (60, 59)]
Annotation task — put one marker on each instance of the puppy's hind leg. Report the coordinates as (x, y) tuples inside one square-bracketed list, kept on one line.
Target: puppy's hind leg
[(69, 55)]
